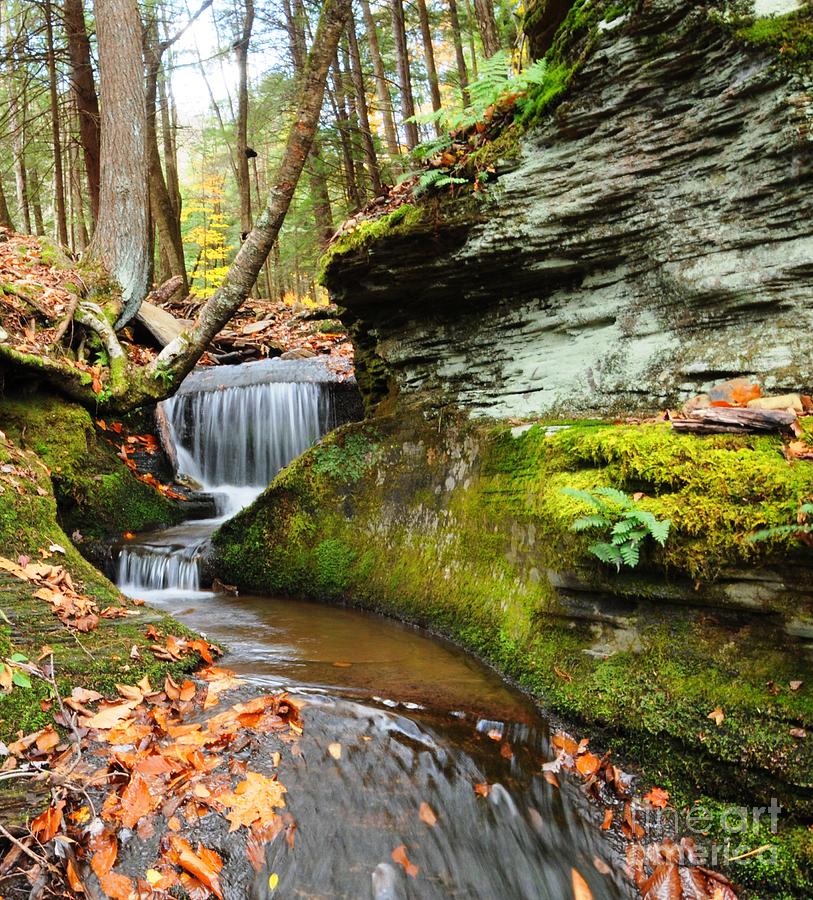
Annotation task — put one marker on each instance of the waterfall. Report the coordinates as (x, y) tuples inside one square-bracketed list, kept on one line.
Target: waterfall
[(231, 439)]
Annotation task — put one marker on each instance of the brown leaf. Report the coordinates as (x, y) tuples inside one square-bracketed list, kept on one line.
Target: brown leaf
[(608, 819), (795, 685), (106, 849), (588, 764), (74, 880), (109, 715), (657, 797), (47, 739), (205, 865), (581, 890), (137, 800), (717, 716), (663, 884), (253, 801), (427, 815), (551, 778), (399, 855), (117, 886), (482, 789), (48, 823)]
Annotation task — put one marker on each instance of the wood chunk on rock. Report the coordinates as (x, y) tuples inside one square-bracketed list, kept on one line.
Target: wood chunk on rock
[(730, 420)]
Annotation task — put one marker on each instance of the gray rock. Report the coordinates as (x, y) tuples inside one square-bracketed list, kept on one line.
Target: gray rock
[(656, 238)]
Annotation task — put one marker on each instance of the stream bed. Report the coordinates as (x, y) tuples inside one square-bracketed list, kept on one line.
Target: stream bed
[(394, 720)]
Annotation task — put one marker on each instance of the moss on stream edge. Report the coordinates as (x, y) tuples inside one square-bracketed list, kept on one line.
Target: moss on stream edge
[(463, 529), (56, 475)]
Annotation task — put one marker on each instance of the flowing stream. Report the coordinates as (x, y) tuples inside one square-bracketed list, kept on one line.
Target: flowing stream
[(415, 718)]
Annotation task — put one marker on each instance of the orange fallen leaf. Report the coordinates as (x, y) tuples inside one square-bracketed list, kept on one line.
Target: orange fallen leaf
[(399, 855), (427, 815), (253, 801), (608, 820), (657, 797), (48, 823), (550, 778), (717, 716), (482, 789), (581, 890), (205, 865), (588, 764)]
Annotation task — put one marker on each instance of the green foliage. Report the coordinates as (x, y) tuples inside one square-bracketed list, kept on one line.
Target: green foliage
[(629, 525), (496, 81), (434, 179), (790, 36), (782, 531)]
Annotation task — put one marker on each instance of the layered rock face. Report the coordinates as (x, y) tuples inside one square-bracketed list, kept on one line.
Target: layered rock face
[(655, 236)]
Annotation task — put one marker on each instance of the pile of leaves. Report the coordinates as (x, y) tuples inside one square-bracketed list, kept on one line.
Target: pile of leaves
[(661, 870), (132, 449), (263, 328), (152, 760), (53, 585)]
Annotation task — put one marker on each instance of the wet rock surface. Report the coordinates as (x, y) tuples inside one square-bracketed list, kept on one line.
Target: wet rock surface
[(656, 237)]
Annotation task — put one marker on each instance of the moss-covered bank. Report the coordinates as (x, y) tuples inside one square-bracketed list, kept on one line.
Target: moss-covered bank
[(464, 529), (56, 476)]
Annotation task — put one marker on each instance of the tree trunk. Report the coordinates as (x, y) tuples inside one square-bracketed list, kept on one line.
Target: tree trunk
[(79, 233), (162, 208), (59, 179), (17, 119), (472, 48), (243, 174), (462, 74), (353, 120), (322, 213), (382, 89), (36, 203), (487, 26), (5, 215), (168, 127), (343, 126), (404, 77), (178, 358), (122, 237), (429, 55), (84, 91), (367, 144)]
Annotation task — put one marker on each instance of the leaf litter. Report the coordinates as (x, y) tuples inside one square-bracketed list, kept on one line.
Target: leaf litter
[(154, 759)]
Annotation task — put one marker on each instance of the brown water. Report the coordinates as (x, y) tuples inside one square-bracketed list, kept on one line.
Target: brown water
[(412, 716)]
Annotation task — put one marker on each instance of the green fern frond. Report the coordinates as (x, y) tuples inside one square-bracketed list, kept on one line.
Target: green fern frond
[(586, 522)]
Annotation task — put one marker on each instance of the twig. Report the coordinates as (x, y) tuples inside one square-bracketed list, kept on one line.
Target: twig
[(68, 320), (81, 645), (27, 850), (51, 679)]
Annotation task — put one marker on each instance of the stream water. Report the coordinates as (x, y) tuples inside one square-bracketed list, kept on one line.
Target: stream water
[(416, 719)]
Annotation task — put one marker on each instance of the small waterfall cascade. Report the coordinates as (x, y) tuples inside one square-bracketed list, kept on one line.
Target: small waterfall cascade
[(231, 439)]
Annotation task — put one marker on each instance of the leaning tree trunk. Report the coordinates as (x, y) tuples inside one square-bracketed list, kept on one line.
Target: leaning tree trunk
[(122, 237), (84, 92), (178, 358)]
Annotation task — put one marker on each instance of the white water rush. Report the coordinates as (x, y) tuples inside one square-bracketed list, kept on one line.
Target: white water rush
[(232, 429)]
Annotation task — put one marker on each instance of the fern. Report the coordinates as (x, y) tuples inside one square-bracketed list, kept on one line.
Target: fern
[(434, 179), (780, 531), (628, 524)]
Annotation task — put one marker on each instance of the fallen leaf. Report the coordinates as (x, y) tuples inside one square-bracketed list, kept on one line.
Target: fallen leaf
[(717, 716), (588, 764), (427, 815), (551, 778), (608, 820), (399, 855), (335, 750), (482, 789), (795, 685), (48, 823), (657, 797), (798, 733), (253, 801), (205, 865), (581, 890)]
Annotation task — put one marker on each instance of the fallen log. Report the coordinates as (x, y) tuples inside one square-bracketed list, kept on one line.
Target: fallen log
[(733, 420), (163, 326)]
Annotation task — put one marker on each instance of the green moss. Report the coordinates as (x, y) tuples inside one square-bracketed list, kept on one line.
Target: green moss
[(397, 223), (95, 492), (455, 531), (790, 36)]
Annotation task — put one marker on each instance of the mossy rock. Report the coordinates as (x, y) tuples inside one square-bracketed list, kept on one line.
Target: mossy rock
[(96, 494), (463, 528)]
